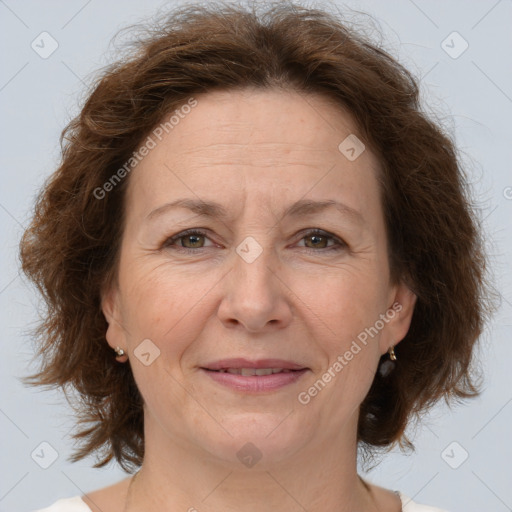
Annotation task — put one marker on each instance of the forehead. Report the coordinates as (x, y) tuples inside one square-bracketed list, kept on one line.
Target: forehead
[(262, 120), (266, 142)]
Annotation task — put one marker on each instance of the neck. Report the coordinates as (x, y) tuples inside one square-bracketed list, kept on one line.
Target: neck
[(317, 477)]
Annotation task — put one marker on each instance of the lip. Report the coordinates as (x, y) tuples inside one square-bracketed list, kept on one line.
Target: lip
[(255, 383), (246, 363)]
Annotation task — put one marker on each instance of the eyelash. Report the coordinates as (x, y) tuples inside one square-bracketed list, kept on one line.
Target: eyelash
[(318, 232)]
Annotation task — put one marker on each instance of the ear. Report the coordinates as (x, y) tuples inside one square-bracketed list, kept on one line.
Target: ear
[(111, 308), (400, 312)]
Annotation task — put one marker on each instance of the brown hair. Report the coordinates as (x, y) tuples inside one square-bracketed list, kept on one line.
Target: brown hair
[(71, 246)]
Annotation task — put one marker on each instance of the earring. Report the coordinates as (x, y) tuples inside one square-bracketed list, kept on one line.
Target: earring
[(388, 366), (120, 355)]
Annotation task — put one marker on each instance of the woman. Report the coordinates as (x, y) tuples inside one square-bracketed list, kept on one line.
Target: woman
[(258, 256)]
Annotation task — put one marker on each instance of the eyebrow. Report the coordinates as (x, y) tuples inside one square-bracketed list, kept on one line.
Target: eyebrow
[(301, 208)]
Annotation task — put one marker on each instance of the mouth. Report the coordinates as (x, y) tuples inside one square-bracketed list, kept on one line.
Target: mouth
[(254, 376), (240, 364), (247, 372)]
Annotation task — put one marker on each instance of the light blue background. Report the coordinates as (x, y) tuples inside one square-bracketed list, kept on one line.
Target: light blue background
[(472, 96)]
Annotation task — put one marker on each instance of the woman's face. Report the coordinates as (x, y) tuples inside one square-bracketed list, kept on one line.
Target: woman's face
[(256, 284)]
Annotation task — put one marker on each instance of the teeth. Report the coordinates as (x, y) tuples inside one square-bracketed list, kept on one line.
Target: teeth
[(248, 372)]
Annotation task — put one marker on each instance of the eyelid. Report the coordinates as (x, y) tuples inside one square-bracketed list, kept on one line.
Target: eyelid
[(339, 242), (192, 231)]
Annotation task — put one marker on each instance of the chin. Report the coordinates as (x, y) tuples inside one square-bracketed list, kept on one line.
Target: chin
[(258, 440)]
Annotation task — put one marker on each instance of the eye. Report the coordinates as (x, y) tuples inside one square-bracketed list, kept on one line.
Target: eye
[(190, 236), (319, 240), (191, 241)]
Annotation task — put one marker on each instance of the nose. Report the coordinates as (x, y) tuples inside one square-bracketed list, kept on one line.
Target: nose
[(255, 294)]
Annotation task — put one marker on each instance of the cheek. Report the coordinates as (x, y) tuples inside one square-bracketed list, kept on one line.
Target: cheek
[(165, 305), (351, 351), (350, 311), (351, 302)]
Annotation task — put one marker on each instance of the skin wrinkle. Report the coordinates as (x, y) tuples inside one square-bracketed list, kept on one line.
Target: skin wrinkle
[(277, 217), (353, 250), (298, 90), (338, 227), (212, 304), (301, 209)]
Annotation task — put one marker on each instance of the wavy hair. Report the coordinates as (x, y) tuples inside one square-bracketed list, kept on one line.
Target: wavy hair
[(71, 247)]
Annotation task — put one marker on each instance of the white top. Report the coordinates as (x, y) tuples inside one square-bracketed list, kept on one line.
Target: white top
[(76, 504)]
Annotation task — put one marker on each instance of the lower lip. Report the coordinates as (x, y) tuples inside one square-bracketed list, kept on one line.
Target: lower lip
[(255, 383)]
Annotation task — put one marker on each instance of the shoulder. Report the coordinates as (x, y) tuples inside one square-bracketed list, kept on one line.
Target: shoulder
[(408, 505), (74, 504), (111, 498)]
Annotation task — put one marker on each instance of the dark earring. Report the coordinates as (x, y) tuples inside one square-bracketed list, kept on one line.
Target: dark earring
[(389, 365)]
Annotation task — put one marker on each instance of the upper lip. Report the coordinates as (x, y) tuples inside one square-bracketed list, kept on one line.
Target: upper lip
[(246, 363)]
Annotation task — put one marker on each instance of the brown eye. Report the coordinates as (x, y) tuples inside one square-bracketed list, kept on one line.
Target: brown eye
[(194, 240), (189, 240), (316, 240)]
